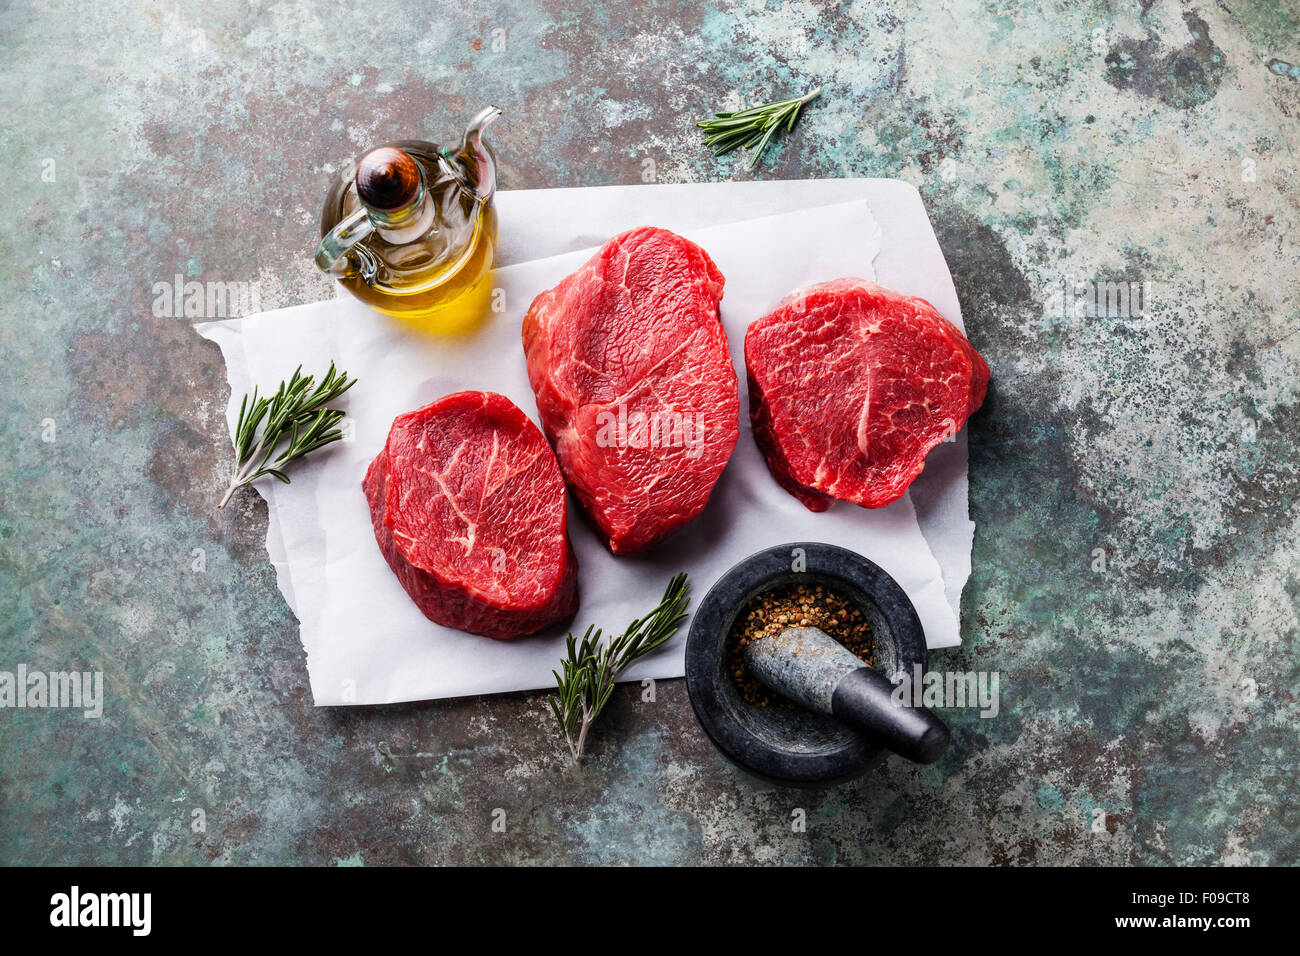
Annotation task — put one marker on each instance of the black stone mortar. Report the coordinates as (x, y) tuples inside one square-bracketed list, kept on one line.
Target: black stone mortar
[(794, 745)]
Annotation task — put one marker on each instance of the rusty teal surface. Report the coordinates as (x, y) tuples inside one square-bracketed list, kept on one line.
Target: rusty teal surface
[(1133, 473)]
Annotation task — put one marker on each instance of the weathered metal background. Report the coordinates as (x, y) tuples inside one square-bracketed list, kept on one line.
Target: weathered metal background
[(1148, 710)]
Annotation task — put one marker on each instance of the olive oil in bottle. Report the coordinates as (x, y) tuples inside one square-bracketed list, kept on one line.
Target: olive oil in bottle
[(412, 230)]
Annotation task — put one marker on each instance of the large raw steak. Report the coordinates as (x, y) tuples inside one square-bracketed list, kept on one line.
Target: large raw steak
[(635, 384), (850, 386), (469, 509)]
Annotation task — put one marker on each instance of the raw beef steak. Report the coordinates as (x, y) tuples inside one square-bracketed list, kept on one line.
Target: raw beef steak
[(635, 385), (850, 386), (469, 509)]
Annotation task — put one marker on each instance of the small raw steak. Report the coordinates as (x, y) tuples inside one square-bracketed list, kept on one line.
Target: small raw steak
[(469, 509), (635, 385), (850, 386)]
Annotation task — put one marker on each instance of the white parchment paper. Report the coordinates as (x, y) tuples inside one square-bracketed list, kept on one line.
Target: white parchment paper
[(366, 641)]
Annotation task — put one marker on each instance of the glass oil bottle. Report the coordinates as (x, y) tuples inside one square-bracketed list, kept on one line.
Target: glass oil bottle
[(411, 230)]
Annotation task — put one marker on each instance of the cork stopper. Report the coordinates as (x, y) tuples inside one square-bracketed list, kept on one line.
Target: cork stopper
[(388, 180)]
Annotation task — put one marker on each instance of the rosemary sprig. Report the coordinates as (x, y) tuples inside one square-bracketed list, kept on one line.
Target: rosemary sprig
[(753, 127), (589, 670), (293, 418)]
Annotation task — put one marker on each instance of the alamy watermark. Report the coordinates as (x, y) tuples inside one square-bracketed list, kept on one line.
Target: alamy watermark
[(1087, 298), (132, 911), (660, 429), (180, 299), (23, 688), (953, 689)]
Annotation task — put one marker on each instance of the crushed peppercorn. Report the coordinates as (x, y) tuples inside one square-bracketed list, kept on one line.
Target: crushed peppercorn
[(793, 605)]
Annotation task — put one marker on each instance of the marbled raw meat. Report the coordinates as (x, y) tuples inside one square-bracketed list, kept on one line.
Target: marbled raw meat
[(635, 384), (850, 387), (469, 510)]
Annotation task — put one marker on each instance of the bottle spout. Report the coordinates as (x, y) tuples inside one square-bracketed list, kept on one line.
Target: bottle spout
[(482, 153)]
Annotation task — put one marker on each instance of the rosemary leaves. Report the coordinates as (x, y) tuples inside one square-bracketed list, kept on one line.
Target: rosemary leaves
[(293, 420), (753, 128), (589, 670)]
